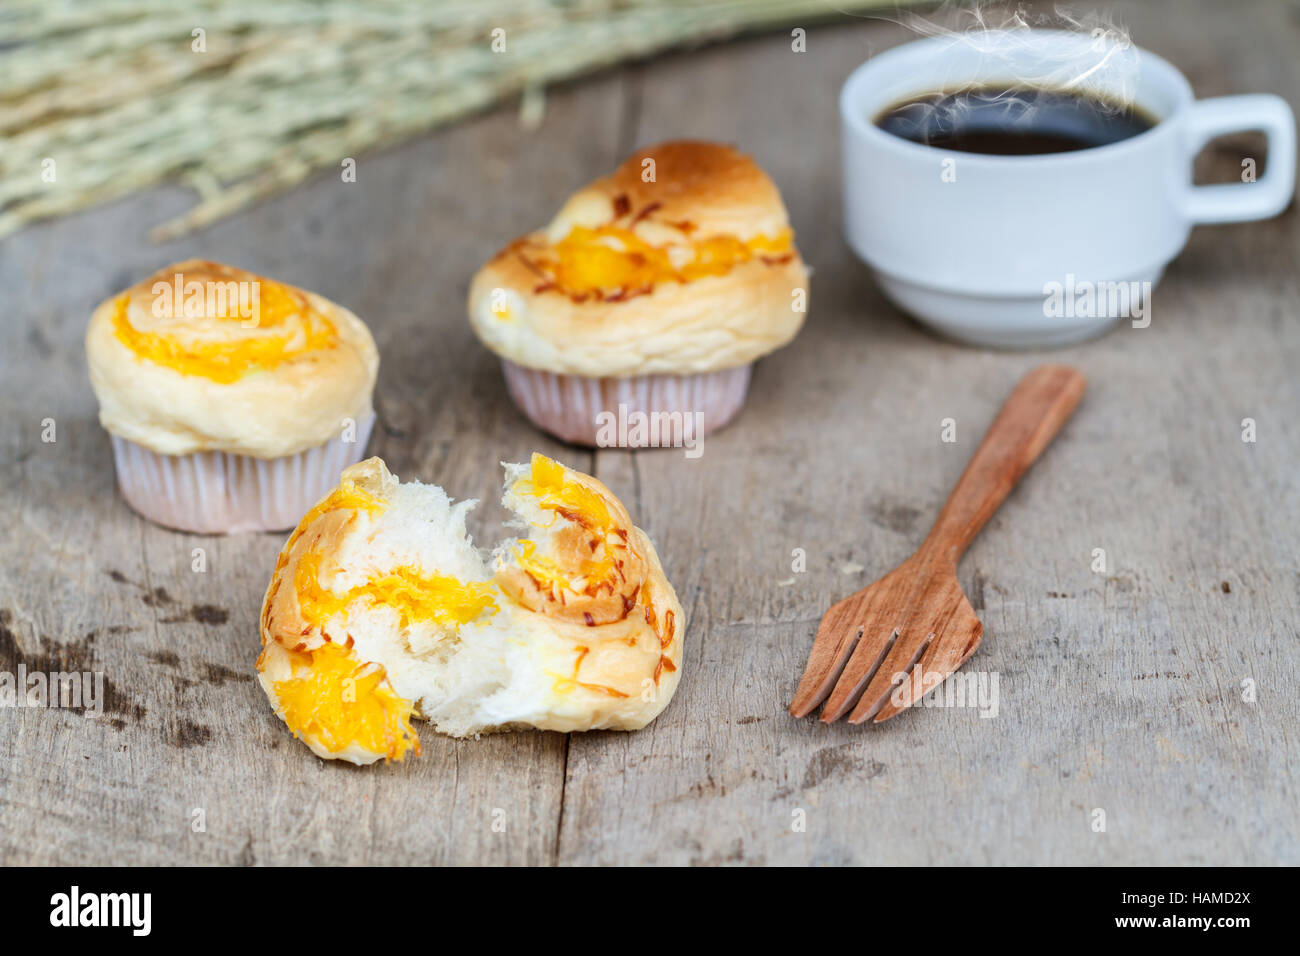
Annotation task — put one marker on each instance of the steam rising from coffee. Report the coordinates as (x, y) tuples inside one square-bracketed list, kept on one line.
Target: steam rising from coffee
[(1025, 99)]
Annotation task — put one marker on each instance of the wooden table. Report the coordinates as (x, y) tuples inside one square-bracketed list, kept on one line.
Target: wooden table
[(1124, 691)]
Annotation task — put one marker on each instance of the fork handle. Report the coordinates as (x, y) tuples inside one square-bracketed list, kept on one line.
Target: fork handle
[(1041, 403)]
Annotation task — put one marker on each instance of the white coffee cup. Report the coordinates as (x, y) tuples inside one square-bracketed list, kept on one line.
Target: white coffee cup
[(1000, 250)]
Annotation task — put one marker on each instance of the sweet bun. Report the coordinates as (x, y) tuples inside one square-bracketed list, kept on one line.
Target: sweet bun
[(681, 262), (206, 357), (381, 609)]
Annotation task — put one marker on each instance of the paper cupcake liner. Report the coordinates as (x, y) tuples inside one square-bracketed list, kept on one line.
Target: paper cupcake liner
[(603, 412), (215, 492)]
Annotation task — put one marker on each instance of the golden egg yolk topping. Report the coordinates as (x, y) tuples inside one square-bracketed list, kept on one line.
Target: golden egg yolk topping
[(347, 496), (414, 594), (614, 262), (554, 491), (548, 574), (340, 701), (569, 499), (435, 598), (286, 328)]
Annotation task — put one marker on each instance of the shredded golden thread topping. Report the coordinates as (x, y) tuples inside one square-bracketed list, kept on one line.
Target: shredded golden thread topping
[(286, 328), (612, 262), (340, 701), (415, 594), (554, 491)]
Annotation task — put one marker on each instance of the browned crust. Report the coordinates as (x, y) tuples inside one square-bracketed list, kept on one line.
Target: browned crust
[(701, 187)]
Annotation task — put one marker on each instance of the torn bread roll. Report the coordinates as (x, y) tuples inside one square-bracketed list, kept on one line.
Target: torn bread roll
[(654, 288), (381, 609)]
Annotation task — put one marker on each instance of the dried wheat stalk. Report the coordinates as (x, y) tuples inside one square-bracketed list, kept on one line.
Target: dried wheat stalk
[(118, 96)]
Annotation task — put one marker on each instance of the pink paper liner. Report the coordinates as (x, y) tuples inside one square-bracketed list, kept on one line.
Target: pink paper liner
[(567, 406), (214, 492)]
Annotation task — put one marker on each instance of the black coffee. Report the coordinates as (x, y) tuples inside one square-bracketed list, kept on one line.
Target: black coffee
[(1013, 121)]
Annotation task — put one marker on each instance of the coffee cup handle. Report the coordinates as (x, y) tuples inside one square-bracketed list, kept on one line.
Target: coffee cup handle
[(1260, 199)]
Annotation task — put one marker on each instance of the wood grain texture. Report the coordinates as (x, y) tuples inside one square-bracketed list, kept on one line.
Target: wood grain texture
[(1119, 690)]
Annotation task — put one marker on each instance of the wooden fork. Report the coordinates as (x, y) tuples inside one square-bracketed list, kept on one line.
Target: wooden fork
[(916, 619)]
